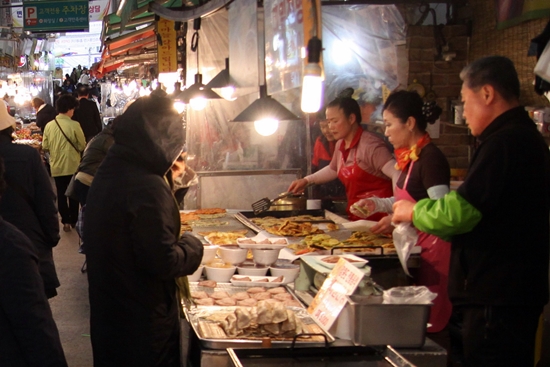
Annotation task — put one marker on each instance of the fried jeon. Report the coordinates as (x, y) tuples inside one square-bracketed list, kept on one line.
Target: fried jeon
[(186, 217), (210, 211), (294, 229), (224, 238), (322, 241)]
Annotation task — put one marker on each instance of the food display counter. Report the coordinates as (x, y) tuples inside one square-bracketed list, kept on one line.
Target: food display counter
[(215, 330)]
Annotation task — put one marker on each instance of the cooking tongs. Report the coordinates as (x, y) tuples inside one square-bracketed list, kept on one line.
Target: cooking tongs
[(264, 204)]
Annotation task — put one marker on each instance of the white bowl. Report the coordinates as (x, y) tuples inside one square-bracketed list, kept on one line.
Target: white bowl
[(233, 255), (219, 274), (290, 272), (249, 268), (196, 275), (209, 254), (265, 257)]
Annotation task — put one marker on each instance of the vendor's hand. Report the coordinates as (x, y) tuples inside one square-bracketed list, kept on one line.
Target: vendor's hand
[(383, 226), (402, 211), (298, 186), (363, 208)]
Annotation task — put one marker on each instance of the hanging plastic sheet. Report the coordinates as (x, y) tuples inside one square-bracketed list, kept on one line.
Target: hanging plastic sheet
[(360, 51)]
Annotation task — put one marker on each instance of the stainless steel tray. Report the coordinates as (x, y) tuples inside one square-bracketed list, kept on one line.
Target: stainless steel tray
[(231, 290), (314, 357), (195, 318)]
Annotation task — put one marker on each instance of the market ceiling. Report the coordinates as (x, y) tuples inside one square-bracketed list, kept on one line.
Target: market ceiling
[(136, 12), (123, 36)]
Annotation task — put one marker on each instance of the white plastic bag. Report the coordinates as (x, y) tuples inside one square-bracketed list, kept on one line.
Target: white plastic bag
[(409, 295), (404, 239), (542, 68)]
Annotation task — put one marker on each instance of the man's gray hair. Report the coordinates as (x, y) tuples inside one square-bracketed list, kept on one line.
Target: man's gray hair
[(496, 71)]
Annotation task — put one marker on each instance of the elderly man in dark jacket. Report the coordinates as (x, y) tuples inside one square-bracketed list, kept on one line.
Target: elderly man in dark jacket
[(29, 202), (44, 112), (133, 248), (28, 334)]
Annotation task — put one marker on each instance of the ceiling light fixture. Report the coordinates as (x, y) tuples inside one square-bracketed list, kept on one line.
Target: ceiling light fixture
[(222, 81), (197, 94), (312, 83), (266, 112)]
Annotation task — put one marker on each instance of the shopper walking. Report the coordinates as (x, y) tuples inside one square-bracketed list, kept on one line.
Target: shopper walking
[(29, 202), (64, 140), (44, 112), (87, 114)]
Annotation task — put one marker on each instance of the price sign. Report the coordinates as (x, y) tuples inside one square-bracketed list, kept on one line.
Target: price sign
[(331, 298)]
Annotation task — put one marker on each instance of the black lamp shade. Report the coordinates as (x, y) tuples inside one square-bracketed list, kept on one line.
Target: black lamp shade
[(197, 90), (221, 80), (265, 107)]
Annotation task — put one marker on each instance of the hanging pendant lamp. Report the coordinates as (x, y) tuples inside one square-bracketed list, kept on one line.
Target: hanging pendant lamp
[(222, 81), (197, 94)]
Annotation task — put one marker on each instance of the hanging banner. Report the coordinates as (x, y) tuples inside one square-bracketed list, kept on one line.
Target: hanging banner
[(99, 9), (513, 12), (167, 60), (56, 16)]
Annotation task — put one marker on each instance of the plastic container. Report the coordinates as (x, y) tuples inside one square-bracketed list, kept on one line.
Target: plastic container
[(401, 326), (209, 254), (195, 277), (233, 255)]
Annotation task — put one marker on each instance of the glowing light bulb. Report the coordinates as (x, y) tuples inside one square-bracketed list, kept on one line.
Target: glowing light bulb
[(266, 127), (312, 88), (179, 106), (227, 93), (170, 89), (198, 103)]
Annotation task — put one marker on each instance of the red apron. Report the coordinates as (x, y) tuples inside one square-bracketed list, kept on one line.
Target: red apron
[(361, 184), (434, 267)]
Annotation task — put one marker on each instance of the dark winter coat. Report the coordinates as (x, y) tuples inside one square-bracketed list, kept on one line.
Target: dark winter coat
[(503, 261), (45, 115), (28, 334), (95, 151), (88, 117), (29, 204), (132, 247)]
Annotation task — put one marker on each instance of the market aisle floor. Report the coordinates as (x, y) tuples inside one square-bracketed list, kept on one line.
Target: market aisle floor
[(71, 309)]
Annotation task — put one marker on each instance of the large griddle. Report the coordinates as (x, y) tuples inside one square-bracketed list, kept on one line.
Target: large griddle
[(245, 216)]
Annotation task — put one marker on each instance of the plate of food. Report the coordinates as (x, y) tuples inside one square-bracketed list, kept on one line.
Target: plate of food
[(330, 261), (256, 281), (223, 238)]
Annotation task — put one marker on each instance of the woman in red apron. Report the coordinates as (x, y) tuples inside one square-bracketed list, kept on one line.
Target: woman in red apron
[(425, 173), (361, 159)]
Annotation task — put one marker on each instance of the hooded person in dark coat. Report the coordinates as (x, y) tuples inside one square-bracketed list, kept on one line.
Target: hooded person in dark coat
[(28, 334), (131, 240), (29, 201)]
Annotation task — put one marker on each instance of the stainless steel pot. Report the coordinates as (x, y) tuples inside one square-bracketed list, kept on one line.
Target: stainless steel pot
[(291, 202)]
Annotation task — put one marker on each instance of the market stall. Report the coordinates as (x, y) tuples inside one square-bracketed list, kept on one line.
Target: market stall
[(261, 280)]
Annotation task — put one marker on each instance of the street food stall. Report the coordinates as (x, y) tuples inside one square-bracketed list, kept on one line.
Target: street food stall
[(261, 277)]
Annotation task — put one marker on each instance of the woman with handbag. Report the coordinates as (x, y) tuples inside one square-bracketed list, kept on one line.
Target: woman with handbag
[(64, 139)]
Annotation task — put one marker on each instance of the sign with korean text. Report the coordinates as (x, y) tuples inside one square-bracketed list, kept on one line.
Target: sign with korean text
[(56, 16), (331, 298), (167, 57)]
